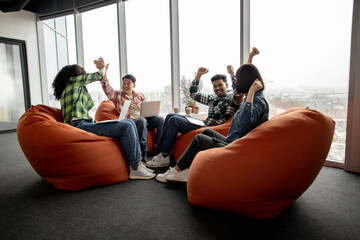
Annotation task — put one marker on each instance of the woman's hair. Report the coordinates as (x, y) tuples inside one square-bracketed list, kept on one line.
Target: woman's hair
[(218, 77), (129, 76), (245, 77), (63, 78)]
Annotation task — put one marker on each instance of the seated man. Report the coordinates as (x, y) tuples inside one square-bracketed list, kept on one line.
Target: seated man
[(251, 113), (222, 106), (127, 93)]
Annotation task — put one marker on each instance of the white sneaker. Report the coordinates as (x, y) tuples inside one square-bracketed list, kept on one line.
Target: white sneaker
[(178, 176), (162, 177), (141, 173), (147, 169), (159, 161)]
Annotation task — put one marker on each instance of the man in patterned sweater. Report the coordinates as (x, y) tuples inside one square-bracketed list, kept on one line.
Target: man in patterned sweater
[(222, 106)]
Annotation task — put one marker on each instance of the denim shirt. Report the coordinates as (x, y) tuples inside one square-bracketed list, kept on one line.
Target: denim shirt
[(248, 117)]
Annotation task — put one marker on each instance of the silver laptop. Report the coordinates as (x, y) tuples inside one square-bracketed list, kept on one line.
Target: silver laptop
[(150, 109), (122, 114)]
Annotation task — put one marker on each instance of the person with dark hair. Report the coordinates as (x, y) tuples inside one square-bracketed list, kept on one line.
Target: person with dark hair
[(70, 88), (127, 93), (253, 111), (222, 106)]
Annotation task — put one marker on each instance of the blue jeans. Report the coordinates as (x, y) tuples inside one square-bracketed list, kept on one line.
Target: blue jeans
[(124, 130), (207, 139), (143, 123), (174, 124)]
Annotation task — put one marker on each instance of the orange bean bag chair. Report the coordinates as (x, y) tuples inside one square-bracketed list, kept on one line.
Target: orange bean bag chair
[(183, 141), (263, 173), (68, 157), (107, 111)]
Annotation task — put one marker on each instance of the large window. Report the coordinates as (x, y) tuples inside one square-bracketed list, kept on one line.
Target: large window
[(148, 49), (209, 32), (100, 39), (59, 50), (304, 50), (304, 57), (14, 91)]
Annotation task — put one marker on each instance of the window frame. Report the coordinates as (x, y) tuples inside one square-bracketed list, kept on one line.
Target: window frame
[(24, 73), (352, 153)]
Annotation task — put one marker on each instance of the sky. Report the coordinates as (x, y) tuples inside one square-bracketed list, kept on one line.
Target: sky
[(302, 43)]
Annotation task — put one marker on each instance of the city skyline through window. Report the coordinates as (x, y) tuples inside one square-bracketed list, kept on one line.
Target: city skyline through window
[(305, 61)]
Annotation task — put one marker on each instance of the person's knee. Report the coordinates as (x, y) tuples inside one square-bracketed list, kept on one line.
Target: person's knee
[(127, 123), (173, 120), (207, 131), (170, 115), (142, 122), (160, 120), (198, 138), (176, 122)]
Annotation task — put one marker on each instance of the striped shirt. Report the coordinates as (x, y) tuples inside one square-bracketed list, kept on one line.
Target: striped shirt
[(119, 97), (75, 99), (220, 108)]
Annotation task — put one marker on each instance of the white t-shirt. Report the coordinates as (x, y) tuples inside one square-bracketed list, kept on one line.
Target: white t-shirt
[(134, 109)]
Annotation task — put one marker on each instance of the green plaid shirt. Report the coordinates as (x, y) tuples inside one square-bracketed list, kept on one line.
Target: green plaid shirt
[(76, 100), (220, 108)]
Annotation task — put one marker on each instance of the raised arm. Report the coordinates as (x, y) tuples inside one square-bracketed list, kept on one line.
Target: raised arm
[(253, 52), (256, 86), (92, 77), (254, 107), (230, 70), (238, 98), (194, 88), (201, 71), (100, 64), (107, 88)]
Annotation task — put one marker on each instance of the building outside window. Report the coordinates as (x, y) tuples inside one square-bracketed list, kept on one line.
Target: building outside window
[(304, 58)]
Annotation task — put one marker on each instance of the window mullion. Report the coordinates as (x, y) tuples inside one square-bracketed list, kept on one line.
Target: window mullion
[(43, 70), (244, 30), (122, 39), (175, 54), (79, 39)]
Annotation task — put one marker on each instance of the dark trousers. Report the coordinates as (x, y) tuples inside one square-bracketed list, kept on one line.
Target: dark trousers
[(207, 139)]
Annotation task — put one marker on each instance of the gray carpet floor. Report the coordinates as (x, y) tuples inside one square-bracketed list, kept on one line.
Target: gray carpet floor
[(30, 208)]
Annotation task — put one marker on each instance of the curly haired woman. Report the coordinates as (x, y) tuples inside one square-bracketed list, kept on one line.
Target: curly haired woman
[(70, 88)]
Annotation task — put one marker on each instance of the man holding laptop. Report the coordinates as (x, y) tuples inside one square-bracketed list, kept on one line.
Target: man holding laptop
[(137, 100)]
